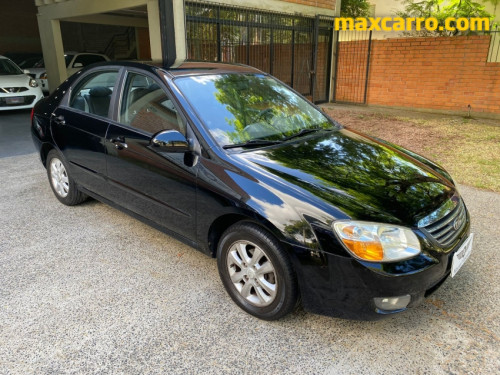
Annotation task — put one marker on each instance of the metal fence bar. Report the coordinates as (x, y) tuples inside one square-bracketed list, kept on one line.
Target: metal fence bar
[(335, 74), (353, 57), (367, 67), (315, 57), (494, 50), (285, 45)]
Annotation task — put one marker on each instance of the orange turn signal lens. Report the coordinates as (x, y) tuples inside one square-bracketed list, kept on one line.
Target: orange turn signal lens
[(365, 250)]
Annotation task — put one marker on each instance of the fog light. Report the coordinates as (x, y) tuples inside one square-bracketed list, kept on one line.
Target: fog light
[(392, 303)]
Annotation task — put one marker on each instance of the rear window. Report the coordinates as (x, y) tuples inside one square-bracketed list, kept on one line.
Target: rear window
[(88, 59)]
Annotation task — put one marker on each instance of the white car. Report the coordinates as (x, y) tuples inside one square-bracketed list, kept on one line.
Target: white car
[(17, 89), (74, 62)]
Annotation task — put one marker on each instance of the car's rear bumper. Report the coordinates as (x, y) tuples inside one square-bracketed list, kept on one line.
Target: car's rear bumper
[(343, 287)]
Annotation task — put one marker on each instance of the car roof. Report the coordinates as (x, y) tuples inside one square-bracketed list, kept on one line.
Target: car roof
[(186, 68), (83, 53), (203, 67)]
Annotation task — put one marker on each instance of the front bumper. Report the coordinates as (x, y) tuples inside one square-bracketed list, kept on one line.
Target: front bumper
[(44, 84), (23, 100), (340, 286)]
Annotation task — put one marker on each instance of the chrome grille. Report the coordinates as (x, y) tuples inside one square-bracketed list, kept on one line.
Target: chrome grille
[(446, 229), (12, 90)]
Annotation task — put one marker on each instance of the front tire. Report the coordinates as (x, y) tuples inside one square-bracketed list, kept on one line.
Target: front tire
[(256, 272), (62, 184)]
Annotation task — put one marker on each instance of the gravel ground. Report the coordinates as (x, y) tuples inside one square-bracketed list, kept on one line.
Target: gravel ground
[(89, 289)]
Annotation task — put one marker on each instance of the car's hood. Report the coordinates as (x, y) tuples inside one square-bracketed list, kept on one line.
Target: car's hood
[(361, 177), (19, 80), (37, 71)]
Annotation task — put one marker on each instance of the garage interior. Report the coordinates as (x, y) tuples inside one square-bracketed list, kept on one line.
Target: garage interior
[(295, 43), (134, 17)]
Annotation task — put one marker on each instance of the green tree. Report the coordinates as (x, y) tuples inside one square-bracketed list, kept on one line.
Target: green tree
[(441, 10), (355, 8)]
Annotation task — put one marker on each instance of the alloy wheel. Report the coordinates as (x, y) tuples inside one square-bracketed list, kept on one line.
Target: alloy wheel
[(252, 273), (59, 177)]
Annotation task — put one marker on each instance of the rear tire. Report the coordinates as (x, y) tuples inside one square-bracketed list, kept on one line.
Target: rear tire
[(62, 184), (256, 271)]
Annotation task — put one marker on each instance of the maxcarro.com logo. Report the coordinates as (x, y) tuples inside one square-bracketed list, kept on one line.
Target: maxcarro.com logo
[(411, 23)]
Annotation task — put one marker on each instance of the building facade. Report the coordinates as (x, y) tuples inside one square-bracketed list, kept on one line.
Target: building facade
[(288, 38)]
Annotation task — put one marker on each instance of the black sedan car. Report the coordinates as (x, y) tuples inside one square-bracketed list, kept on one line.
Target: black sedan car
[(238, 165)]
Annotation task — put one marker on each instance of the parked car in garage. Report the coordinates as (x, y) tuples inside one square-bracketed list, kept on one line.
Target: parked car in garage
[(17, 89), (24, 60), (238, 165), (74, 62)]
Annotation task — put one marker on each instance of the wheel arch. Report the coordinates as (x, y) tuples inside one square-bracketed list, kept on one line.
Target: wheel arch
[(221, 223), (44, 151)]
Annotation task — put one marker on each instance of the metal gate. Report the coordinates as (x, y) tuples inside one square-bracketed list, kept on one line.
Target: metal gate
[(494, 50), (352, 64), (295, 49)]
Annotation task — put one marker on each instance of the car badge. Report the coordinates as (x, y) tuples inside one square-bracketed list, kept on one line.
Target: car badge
[(457, 223)]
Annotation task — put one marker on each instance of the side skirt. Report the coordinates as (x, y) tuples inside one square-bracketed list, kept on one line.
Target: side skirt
[(147, 221)]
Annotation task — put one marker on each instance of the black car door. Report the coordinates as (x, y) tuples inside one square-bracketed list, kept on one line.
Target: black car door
[(153, 184), (79, 128)]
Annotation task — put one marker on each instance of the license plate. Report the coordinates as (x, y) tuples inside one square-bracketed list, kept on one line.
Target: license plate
[(15, 100), (461, 255)]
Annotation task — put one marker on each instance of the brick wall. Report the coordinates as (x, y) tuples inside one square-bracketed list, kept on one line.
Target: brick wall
[(352, 71), (437, 73), (327, 4)]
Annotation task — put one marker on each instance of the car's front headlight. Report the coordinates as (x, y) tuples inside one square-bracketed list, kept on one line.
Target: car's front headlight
[(377, 242), (33, 83)]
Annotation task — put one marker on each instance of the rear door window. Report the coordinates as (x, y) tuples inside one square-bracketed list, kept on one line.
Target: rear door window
[(93, 94)]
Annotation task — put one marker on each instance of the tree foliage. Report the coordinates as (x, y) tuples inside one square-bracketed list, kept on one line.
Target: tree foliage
[(354, 8), (441, 10)]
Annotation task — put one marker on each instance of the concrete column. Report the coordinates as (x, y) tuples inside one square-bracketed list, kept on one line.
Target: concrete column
[(154, 30), (180, 31), (53, 51)]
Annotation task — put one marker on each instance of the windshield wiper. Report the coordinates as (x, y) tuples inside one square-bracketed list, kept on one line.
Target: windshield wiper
[(303, 132), (252, 143)]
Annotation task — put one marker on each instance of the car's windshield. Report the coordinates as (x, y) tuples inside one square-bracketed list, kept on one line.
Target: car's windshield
[(30, 62), (240, 108), (8, 68), (68, 59), (40, 64)]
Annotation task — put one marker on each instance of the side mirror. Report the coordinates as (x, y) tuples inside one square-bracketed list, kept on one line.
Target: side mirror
[(26, 71), (171, 141), (77, 65), (175, 142)]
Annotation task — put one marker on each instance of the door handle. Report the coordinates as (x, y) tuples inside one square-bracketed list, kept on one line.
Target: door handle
[(119, 143), (59, 120)]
